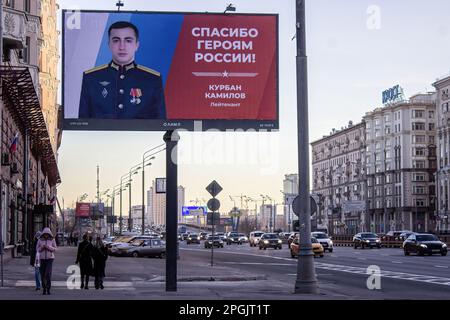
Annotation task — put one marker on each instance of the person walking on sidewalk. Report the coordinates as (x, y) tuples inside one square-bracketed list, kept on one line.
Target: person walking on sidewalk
[(100, 255), (84, 258), (46, 247), (34, 260)]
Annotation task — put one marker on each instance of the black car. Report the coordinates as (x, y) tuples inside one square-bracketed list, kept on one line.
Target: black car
[(366, 239), (216, 242), (193, 238), (423, 243), (270, 240), (233, 237)]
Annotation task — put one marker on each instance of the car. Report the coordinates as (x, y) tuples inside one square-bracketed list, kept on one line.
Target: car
[(232, 237), (203, 235), (284, 236), (405, 235), (215, 241), (324, 240), (254, 238), (147, 248), (424, 243), (366, 239), (396, 234), (193, 238), (108, 240), (221, 235), (184, 236), (270, 240), (123, 242), (317, 248), (243, 238)]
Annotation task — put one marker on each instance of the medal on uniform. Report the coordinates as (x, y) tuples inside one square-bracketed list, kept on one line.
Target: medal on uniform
[(104, 92), (135, 94)]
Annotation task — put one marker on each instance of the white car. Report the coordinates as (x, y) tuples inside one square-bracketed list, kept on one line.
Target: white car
[(254, 238), (324, 240)]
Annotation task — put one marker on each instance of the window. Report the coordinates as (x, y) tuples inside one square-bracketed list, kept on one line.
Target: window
[(431, 139), (377, 122), (418, 190), (419, 177), (378, 180), (419, 164), (9, 3), (431, 126), (26, 51), (419, 139), (431, 114), (420, 203), (378, 145), (418, 126), (377, 133), (368, 125), (27, 6), (388, 143), (387, 129), (388, 154), (388, 178), (418, 113), (445, 107), (377, 157), (387, 118), (419, 152)]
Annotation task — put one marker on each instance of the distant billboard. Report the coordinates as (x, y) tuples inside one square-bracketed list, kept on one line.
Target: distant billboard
[(193, 71), (82, 210), (193, 211)]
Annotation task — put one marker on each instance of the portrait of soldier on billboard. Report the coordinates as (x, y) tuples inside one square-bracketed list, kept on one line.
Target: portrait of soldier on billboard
[(122, 89)]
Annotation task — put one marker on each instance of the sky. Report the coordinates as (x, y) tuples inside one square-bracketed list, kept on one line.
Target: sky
[(356, 49)]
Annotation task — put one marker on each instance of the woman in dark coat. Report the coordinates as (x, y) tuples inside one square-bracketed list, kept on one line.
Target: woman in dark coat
[(84, 258), (100, 254)]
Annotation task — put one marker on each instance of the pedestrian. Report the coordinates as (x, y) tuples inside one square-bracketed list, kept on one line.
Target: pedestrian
[(34, 260), (84, 258), (46, 247), (100, 255)]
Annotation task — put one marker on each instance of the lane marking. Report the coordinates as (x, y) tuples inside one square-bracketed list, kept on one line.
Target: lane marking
[(261, 263), (446, 267), (397, 262)]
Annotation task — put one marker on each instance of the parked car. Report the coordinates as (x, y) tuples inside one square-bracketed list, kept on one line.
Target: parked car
[(108, 240), (202, 235), (396, 234), (215, 241), (254, 238), (233, 237), (405, 235), (324, 240), (147, 248), (424, 243), (193, 238), (123, 242), (270, 240), (366, 239), (316, 247), (221, 235)]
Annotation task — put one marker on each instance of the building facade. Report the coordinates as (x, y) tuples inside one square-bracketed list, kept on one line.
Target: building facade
[(400, 165), (443, 149), (157, 205), (338, 180), (29, 171)]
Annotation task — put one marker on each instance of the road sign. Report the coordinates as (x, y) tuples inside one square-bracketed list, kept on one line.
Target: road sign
[(213, 204), (209, 218), (296, 205), (214, 188)]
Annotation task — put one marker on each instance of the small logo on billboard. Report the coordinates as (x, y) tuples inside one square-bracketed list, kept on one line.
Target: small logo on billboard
[(135, 93)]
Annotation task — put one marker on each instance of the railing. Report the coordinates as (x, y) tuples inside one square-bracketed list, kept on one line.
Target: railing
[(386, 241)]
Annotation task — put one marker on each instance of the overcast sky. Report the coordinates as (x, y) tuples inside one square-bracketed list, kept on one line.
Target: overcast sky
[(356, 49)]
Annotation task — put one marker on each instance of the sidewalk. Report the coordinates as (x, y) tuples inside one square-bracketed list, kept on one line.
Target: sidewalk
[(146, 280)]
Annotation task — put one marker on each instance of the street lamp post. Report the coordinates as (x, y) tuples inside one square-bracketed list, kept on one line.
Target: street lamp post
[(129, 198), (306, 281), (143, 187)]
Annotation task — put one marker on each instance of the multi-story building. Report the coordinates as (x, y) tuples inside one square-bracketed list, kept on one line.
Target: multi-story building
[(443, 150), (290, 191), (400, 159), (136, 216), (29, 171), (338, 180), (157, 205)]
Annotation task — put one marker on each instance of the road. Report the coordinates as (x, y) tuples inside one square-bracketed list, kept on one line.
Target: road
[(402, 277)]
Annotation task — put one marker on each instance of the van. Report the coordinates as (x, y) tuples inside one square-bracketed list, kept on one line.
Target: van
[(254, 238)]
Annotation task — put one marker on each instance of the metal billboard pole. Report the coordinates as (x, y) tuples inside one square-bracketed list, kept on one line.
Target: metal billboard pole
[(306, 281)]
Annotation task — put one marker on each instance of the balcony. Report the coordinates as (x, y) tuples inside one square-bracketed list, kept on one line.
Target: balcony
[(14, 28)]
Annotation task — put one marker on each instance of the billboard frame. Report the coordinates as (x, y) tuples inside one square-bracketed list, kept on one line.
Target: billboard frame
[(75, 124)]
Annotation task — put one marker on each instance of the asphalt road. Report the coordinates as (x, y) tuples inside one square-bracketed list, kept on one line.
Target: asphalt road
[(402, 277)]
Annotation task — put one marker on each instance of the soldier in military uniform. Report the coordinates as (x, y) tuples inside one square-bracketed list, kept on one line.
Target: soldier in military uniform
[(122, 89)]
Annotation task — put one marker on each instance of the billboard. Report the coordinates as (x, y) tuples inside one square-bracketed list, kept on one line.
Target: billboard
[(82, 210), (193, 211), (160, 71)]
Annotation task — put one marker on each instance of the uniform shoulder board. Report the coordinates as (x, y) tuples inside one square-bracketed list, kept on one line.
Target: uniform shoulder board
[(156, 73), (96, 68)]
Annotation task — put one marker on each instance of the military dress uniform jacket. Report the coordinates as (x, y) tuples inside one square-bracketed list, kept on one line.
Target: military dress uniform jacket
[(128, 92)]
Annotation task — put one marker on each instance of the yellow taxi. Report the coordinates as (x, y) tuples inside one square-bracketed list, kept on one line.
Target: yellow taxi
[(316, 247)]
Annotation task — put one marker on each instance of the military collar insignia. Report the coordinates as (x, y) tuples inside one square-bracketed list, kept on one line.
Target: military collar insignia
[(130, 66), (114, 66)]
